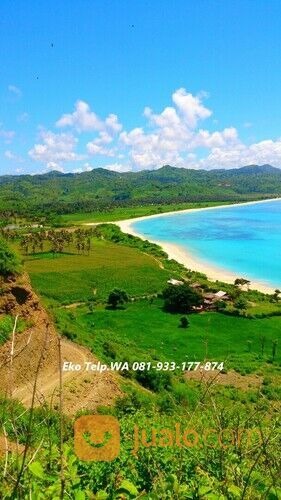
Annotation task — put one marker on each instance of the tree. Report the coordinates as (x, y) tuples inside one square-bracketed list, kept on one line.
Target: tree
[(241, 304), (242, 282), (184, 323), (181, 298), (9, 261), (220, 305), (117, 298)]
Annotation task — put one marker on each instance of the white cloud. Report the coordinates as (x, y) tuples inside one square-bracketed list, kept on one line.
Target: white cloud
[(172, 133), (190, 107), (87, 167), (7, 135), (103, 138), (118, 167), (239, 155), (205, 139), (12, 156), (55, 149), (52, 165), (84, 120), (176, 136), (15, 90), (112, 123), (96, 147)]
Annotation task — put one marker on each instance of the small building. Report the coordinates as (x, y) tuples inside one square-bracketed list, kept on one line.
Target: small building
[(174, 282), (222, 295), (196, 286), (210, 299)]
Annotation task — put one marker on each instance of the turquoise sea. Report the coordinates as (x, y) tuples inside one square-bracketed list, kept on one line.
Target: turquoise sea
[(245, 239)]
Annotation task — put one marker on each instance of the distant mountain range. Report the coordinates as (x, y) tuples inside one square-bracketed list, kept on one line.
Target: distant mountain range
[(61, 193)]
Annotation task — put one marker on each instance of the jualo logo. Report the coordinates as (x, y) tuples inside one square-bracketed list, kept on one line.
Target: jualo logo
[(97, 438)]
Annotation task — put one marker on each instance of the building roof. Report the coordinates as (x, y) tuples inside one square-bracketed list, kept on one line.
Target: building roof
[(196, 285), (220, 294), (172, 281)]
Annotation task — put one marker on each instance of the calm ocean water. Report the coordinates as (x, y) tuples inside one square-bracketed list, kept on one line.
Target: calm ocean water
[(243, 239)]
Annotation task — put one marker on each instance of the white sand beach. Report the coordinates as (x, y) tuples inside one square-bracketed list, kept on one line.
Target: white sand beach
[(188, 259)]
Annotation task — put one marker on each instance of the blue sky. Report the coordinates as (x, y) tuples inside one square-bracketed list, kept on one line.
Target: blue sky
[(133, 85)]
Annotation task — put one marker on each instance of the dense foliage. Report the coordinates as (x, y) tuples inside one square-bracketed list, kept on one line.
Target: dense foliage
[(9, 261), (181, 298), (220, 466), (64, 271), (117, 298), (101, 189)]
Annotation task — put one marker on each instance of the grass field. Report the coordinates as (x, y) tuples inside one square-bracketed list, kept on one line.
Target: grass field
[(130, 212), (142, 330), (73, 278)]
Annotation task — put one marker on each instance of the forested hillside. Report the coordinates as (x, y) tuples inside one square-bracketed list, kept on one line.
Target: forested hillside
[(67, 193)]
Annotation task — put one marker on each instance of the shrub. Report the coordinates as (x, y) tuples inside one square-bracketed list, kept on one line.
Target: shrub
[(6, 328), (184, 322), (116, 298), (69, 334), (241, 304), (9, 261), (109, 350), (181, 298), (154, 380)]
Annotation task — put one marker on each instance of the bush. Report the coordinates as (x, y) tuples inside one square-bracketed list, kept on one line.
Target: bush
[(132, 402), (9, 261), (241, 304), (6, 328), (109, 350), (184, 323), (156, 381), (69, 334), (116, 298), (181, 298)]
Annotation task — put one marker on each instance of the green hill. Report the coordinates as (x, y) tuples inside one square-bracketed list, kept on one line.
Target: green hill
[(67, 193)]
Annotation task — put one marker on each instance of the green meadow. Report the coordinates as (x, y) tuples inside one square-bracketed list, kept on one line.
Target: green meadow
[(141, 327), (75, 287), (144, 331), (71, 277), (123, 213)]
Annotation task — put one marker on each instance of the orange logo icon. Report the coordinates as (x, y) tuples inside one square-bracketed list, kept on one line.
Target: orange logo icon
[(97, 437)]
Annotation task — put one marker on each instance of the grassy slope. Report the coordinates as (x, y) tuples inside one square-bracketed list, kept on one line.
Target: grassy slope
[(101, 188), (73, 277), (143, 330), (142, 327), (122, 213)]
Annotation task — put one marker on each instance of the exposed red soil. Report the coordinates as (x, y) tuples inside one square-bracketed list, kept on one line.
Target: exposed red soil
[(37, 349)]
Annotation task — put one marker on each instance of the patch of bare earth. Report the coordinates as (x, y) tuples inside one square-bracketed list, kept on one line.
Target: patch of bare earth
[(231, 378), (73, 305), (33, 371)]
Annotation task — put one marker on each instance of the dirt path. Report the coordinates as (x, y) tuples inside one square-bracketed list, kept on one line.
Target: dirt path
[(81, 389), (38, 346)]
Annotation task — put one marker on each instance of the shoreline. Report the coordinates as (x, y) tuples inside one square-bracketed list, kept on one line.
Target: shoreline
[(187, 258), (191, 210)]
